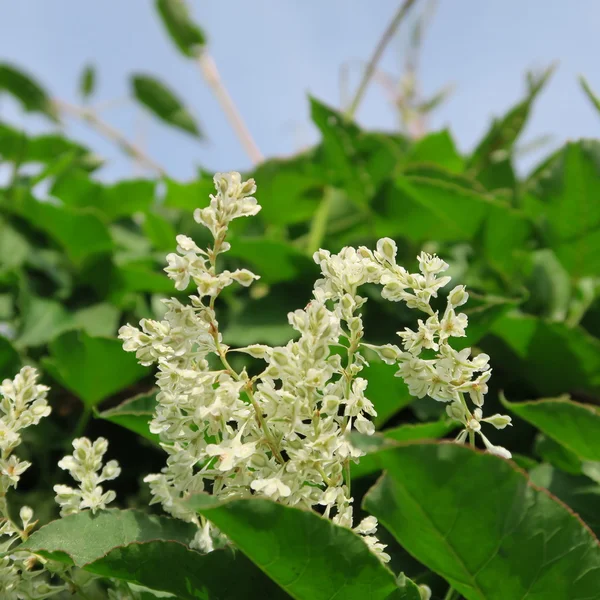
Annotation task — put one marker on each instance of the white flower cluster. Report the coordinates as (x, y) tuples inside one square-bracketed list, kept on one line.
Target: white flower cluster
[(23, 403), (85, 466), (282, 432)]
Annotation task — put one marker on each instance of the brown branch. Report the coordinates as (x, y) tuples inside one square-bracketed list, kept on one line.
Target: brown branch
[(388, 34), (91, 117), (209, 71)]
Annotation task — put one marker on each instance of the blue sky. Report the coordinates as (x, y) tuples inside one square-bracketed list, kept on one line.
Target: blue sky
[(273, 53)]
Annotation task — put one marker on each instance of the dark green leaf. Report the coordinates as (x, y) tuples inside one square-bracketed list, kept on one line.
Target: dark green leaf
[(28, 92), (134, 414), (274, 261), (551, 357), (175, 16), (389, 394), (574, 425), (163, 103), (150, 551), (476, 520), (92, 368), (579, 493), (307, 555), (404, 433), (9, 359), (557, 455)]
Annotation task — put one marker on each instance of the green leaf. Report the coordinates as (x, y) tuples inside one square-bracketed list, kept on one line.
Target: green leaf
[(345, 165), (265, 321), (483, 312), (404, 433), (43, 320), (151, 551), (159, 231), (163, 103), (273, 260), (297, 548), (92, 368), (579, 493), (491, 159), (557, 455), (14, 247), (388, 394), (134, 414), (289, 190), (50, 149), (188, 37), (551, 357), (589, 93), (81, 233), (188, 195), (477, 521), (27, 91), (549, 285), (87, 82), (98, 320), (9, 359), (568, 189), (423, 209), (573, 425), (76, 189), (437, 148)]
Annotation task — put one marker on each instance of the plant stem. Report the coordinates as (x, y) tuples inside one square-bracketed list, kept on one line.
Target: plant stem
[(91, 117), (84, 419), (318, 225), (451, 594), (388, 34), (209, 71)]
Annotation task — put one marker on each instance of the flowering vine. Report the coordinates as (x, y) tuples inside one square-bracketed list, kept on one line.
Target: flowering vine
[(282, 433)]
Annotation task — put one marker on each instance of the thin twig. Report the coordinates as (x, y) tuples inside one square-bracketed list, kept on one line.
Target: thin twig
[(388, 34), (108, 131), (209, 71)]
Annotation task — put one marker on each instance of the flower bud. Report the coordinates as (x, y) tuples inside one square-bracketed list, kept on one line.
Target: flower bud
[(458, 296), (388, 250), (499, 421)]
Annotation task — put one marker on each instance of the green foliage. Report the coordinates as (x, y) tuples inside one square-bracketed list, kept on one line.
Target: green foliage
[(297, 549), (573, 425), (478, 522), (163, 103), (186, 34), (26, 90), (80, 257), (150, 551), (92, 368)]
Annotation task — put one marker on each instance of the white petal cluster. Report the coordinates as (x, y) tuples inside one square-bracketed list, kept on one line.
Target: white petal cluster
[(282, 433), (22, 403), (86, 467), (445, 374)]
